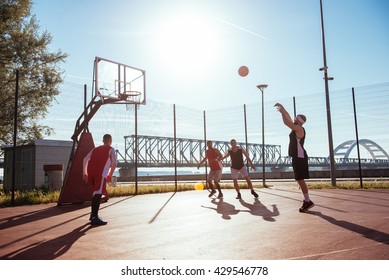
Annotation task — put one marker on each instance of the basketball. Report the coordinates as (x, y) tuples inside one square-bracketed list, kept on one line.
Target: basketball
[(199, 186), (243, 71)]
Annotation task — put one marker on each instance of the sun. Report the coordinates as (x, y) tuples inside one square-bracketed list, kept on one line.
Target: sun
[(187, 44)]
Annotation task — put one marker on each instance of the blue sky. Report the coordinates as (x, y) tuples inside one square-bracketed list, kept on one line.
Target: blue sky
[(191, 50)]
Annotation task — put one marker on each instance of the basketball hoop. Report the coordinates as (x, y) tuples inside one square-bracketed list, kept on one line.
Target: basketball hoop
[(131, 96), (132, 99)]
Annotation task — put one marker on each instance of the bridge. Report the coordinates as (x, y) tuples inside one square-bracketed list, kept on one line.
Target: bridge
[(156, 151)]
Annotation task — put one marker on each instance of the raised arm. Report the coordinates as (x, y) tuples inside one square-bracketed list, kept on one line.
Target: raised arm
[(286, 118)]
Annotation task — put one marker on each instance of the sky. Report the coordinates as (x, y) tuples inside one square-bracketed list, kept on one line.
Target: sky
[(191, 50)]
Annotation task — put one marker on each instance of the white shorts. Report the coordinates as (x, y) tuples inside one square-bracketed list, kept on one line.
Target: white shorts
[(235, 172), (215, 175)]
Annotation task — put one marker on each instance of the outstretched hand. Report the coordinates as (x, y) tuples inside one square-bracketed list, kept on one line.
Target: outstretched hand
[(279, 106)]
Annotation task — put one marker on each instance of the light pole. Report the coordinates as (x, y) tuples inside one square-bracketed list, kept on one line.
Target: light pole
[(326, 79), (262, 88)]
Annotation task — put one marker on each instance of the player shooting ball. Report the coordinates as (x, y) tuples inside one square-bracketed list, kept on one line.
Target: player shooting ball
[(297, 152)]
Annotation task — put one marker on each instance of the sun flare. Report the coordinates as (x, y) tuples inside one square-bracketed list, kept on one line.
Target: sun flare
[(187, 44)]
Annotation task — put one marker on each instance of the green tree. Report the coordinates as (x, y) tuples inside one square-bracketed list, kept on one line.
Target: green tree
[(23, 47)]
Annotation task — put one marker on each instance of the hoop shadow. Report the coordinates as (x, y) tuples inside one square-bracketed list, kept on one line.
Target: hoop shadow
[(223, 208), (369, 233), (50, 249), (258, 209)]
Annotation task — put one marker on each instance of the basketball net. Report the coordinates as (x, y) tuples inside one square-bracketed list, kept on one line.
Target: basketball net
[(131, 107), (134, 101)]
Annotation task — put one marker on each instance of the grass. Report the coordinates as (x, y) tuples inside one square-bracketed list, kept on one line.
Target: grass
[(40, 196), (376, 184)]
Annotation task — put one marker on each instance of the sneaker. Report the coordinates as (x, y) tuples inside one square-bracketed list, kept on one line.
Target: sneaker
[(306, 206), (96, 221), (239, 196), (254, 193), (212, 193), (220, 195)]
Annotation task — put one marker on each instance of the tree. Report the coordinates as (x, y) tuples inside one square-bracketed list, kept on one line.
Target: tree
[(23, 47)]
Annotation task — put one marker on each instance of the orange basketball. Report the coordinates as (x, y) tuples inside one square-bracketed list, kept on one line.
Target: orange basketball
[(243, 71)]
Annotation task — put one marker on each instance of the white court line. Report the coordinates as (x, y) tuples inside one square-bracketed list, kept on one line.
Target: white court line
[(337, 251)]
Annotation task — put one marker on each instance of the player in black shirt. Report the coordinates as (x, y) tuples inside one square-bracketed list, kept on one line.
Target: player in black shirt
[(237, 166), (297, 152)]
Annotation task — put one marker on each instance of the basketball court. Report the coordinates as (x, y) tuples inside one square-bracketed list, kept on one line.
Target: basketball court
[(344, 225)]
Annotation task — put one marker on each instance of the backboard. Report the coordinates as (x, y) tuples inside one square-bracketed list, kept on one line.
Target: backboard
[(118, 82)]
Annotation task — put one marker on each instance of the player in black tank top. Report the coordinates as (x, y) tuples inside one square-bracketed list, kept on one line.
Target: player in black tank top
[(297, 152), (236, 158), (237, 166)]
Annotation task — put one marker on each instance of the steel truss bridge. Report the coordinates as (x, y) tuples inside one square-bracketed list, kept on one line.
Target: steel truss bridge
[(156, 151)]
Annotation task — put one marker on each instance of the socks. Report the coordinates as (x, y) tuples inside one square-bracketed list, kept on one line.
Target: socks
[(306, 197), (95, 205)]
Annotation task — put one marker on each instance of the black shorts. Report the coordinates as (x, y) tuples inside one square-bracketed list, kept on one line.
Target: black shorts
[(300, 168)]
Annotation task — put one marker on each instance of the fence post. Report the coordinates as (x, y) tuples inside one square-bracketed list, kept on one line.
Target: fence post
[(205, 147), (136, 148), (245, 135), (357, 137), (15, 139), (175, 146)]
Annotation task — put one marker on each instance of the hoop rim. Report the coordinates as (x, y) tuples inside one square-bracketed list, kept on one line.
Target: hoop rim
[(130, 93)]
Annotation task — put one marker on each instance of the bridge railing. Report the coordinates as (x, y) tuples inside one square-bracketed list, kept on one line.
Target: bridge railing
[(159, 151)]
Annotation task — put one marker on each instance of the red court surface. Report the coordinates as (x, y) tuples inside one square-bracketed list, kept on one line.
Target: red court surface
[(344, 225)]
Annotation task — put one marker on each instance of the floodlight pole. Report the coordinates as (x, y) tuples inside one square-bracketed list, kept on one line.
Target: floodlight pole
[(262, 88), (329, 125)]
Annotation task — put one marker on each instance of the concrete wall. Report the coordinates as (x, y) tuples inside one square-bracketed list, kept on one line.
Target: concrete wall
[(51, 152), (30, 160)]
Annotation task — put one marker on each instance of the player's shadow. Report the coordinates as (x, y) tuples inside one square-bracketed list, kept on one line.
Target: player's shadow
[(49, 249), (369, 233), (223, 208), (258, 209), (38, 215)]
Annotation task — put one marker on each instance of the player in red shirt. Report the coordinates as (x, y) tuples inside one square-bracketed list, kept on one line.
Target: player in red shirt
[(98, 167), (213, 155)]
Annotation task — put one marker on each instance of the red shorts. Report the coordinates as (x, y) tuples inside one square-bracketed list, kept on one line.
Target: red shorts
[(98, 183)]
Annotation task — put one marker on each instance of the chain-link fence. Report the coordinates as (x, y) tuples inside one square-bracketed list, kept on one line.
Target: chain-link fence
[(240, 122)]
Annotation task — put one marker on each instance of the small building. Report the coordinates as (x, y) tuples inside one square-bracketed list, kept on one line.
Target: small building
[(41, 163)]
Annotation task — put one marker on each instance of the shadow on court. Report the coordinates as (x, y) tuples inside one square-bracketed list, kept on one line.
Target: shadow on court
[(369, 233), (258, 209), (226, 210), (190, 225), (160, 210), (49, 249), (30, 217)]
